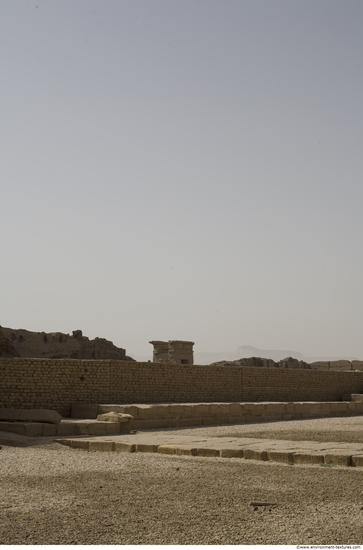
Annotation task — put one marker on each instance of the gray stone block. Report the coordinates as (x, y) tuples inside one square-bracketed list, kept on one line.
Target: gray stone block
[(82, 410), (9, 414), (40, 415)]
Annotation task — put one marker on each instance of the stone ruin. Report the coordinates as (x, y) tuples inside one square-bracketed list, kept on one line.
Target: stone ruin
[(57, 345), (176, 352)]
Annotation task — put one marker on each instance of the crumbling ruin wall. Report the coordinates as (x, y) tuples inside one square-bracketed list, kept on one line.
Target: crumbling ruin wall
[(57, 345), (291, 363), (57, 383)]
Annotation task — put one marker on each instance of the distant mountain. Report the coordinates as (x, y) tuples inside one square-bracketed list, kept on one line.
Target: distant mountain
[(205, 358)]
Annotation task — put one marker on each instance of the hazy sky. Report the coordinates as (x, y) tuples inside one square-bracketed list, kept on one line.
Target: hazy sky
[(184, 169)]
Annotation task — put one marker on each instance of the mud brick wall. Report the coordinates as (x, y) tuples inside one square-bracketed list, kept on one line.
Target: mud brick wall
[(171, 383), (57, 383), (52, 383), (274, 384)]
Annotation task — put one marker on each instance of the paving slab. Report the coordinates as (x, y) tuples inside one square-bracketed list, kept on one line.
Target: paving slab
[(284, 451)]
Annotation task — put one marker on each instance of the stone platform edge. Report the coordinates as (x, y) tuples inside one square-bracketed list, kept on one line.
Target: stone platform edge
[(299, 457), (174, 415)]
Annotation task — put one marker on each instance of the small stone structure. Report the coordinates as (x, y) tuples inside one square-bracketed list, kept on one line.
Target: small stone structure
[(176, 352)]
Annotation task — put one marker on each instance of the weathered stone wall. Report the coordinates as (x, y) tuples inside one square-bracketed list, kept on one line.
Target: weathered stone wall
[(57, 383), (291, 363), (52, 383), (338, 365), (57, 345), (273, 384)]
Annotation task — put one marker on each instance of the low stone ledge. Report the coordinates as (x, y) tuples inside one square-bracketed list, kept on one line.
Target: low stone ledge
[(357, 397), (171, 415), (10, 414), (357, 460), (30, 415), (205, 451), (40, 415), (124, 447), (340, 459), (105, 446), (280, 456), (146, 448), (81, 410), (306, 457), (231, 453)]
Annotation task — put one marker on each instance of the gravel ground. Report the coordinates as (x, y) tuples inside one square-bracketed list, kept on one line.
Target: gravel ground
[(52, 494)]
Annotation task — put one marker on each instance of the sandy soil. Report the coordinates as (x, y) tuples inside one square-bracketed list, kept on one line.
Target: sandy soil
[(51, 494)]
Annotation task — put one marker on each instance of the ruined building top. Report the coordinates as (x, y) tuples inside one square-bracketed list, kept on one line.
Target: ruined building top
[(177, 352)]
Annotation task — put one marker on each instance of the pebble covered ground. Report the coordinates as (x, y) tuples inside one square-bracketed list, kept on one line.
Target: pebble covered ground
[(52, 494)]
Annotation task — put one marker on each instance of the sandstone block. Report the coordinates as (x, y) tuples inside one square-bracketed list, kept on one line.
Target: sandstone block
[(125, 427), (311, 409), (236, 409), (340, 459), (40, 415), (280, 456), (198, 410), (168, 449), (231, 453), (105, 446), (325, 409), (299, 408), (356, 397), (146, 448), (67, 428), (289, 408), (114, 417), (161, 411), (219, 409), (49, 430), (273, 409), (146, 412), (125, 447), (14, 427), (103, 428), (81, 410), (33, 429), (176, 411), (338, 407), (204, 451), (10, 414), (357, 460), (255, 454), (358, 408), (187, 450), (308, 457), (133, 410)]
